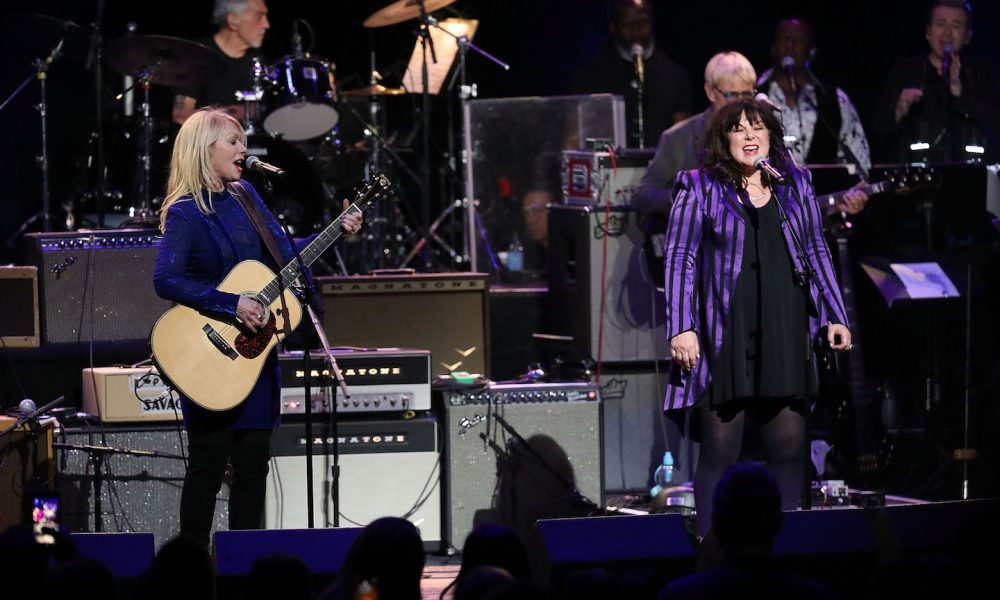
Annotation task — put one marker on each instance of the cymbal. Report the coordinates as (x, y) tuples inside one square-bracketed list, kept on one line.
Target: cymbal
[(402, 10), (44, 25), (37, 34), (173, 61), (374, 90)]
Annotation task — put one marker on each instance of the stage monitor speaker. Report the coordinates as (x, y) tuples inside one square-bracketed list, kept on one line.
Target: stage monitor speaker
[(833, 546), (97, 286), (19, 307), (935, 526), (128, 555), (322, 550), (658, 542), (388, 468), (636, 431), (492, 478), (446, 313), (138, 493), (634, 310)]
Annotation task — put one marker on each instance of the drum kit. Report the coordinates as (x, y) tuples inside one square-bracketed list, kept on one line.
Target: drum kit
[(291, 115)]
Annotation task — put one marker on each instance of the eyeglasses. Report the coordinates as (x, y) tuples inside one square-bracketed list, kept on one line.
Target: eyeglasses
[(737, 95)]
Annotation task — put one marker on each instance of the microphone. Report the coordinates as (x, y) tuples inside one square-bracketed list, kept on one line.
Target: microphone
[(789, 65), (26, 407), (762, 164), (640, 67), (946, 52), (253, 163), (296, 39)]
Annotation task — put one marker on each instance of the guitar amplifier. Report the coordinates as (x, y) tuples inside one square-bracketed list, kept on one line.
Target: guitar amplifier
[(96, 286), (19, 307), (116, 394), (379, 380), (446, 313), (492, 478), (593, 178)]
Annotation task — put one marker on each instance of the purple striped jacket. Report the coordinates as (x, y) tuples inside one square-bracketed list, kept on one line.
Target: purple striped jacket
[(703, 253)]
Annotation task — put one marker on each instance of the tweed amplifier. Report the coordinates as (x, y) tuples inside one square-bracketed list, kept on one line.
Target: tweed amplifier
[(117, 394), (379, 380)]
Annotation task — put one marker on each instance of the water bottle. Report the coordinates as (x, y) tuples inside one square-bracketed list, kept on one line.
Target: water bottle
[(515, 255), (663, 476)]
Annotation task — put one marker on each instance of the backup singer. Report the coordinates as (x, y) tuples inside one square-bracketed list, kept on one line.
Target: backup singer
[(736, 318), (206, 233)]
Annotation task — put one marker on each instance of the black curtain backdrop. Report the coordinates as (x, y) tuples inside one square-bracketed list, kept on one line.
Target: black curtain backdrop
[(545, 41)]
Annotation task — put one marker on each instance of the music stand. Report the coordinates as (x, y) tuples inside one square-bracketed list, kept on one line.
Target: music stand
[(925, 282)]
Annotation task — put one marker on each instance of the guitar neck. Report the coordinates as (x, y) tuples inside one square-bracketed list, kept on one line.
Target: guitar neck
[(324, 240), (829, 201)]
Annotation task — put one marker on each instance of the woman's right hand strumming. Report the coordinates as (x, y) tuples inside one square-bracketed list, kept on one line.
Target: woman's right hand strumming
[(684, 349)]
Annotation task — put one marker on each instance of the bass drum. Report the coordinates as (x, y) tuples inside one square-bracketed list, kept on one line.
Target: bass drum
[(299, 199)]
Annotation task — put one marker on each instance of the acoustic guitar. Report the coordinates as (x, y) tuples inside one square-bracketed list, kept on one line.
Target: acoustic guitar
[(215, 361)]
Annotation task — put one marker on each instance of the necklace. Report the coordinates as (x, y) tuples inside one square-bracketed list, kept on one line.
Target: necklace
[(759, 196)]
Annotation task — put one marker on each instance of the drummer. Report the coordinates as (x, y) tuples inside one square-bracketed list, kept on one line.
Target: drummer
[(241, 28)]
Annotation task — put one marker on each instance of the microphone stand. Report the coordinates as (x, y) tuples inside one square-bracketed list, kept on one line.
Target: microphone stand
[(97, 456), (32, 416), (308, 292), (426, 43), (802, 278)]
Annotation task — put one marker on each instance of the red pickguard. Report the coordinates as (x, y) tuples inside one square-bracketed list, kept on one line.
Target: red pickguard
[(251, 346)]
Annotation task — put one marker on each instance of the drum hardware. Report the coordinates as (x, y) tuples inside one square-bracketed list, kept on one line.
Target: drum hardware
[(164, 60), (303, 91), (66, 38), (251, 98), (40, 72)]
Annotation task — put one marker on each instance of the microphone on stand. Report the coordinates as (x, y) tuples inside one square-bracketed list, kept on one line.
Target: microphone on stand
[(763, 165), (788, 63), (640, 66), (296, 40), (253, 163)]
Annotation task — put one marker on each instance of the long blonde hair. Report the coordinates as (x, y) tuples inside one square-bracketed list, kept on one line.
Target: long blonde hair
[(191, 161)]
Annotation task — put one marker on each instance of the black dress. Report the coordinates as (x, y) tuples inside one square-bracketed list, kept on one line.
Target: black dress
[(764, 347)]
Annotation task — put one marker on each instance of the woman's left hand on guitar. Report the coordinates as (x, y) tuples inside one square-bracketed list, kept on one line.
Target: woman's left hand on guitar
[(854, 200), (351, 223)]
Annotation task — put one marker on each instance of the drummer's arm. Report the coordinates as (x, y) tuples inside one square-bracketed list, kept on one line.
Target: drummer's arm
[(184, 107)]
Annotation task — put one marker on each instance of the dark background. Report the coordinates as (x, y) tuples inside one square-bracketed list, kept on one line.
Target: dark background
[(545, 42)]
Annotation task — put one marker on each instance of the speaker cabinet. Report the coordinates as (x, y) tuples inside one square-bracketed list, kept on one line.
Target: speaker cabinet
[(128, 555), (97, 286), (659, 543), (443, 313), (19, 307), (388, 467), (633, 309), (636, 431), (493, 477), (138, 493)]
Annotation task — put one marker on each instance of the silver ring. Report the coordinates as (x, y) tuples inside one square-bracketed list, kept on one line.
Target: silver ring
[(260, 316)]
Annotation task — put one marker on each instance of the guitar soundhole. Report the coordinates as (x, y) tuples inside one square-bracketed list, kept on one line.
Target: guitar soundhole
[(251, 346)]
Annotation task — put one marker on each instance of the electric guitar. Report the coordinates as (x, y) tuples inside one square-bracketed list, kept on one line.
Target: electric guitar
[(900, 182), (214, 361)]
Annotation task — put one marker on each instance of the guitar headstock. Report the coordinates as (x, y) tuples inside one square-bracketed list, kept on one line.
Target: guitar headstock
[(371, 191), (909, 178)]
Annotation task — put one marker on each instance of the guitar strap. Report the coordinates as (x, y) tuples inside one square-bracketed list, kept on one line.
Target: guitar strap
[(264, 232)]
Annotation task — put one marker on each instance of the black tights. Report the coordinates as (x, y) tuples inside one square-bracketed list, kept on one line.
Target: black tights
[(783, 433), (248, 451)]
